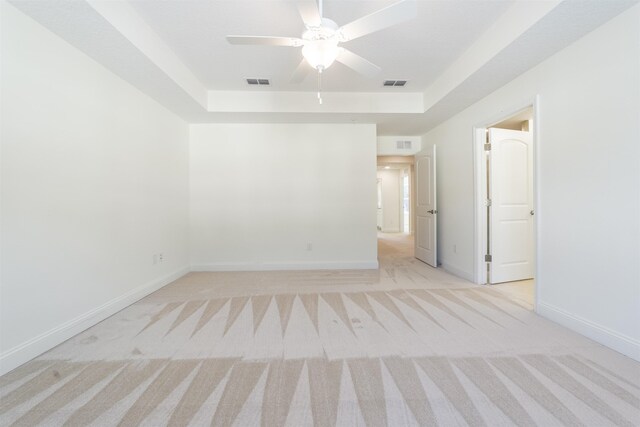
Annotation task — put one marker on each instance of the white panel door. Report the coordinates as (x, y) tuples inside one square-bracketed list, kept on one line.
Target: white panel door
[(511, 189), (425, 239)]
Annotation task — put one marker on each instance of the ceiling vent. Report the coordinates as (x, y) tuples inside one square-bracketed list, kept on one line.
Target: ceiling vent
[(403, 145), (261, 82), (394, 83)]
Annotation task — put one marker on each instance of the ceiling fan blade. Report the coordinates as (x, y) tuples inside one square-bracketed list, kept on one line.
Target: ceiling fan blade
[(358, 63), (265, 40), (310, 13), (391, 15), (301, 72)]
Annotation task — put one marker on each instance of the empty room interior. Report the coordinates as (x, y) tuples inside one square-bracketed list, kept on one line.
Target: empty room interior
[(320, 213)]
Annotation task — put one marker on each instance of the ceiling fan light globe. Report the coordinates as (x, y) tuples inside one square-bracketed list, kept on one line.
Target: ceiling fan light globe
[(321, 54)]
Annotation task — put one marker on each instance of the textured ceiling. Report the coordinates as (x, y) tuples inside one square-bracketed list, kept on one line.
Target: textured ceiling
[(418, 50)]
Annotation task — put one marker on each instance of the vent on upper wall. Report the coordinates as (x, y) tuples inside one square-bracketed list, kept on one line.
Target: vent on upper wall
[(394, 83), (403, 145), (261, 82)]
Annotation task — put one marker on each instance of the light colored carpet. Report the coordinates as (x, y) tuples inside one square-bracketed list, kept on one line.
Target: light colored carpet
[(404, 345)]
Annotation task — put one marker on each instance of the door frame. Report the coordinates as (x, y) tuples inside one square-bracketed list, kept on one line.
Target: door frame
[(408, 223), (407, 162), (480, 182)]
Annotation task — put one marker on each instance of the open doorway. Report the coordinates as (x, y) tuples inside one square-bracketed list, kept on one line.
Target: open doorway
[(406, 202), (395, 198), (505, 195), (395, 176)]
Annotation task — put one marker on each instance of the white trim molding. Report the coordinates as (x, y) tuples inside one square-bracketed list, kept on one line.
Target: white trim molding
[(34, 347), (619, 342)]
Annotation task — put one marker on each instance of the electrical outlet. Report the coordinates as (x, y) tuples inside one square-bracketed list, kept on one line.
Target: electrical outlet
[(455, 249), (160, 258), (309, 246)]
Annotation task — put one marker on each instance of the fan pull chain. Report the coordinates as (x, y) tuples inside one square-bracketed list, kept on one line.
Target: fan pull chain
[(320, 86)]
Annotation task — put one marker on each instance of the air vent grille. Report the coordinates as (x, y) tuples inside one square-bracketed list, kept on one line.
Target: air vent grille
[(261, 82), (394, 83), (403, 145)]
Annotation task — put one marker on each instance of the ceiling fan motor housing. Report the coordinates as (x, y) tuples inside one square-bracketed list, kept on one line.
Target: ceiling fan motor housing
[(321, 44)]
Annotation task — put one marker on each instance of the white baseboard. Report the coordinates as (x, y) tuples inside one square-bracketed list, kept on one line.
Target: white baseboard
[(281, 266), (34, 347), (456, 271), (621, 343)]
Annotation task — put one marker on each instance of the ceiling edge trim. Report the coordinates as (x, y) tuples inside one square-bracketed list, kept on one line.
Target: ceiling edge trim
[(307, 102)]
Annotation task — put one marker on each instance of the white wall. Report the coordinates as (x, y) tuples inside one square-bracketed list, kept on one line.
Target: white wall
[(94, 182), (589, 176), (261, 193), (391, 199)]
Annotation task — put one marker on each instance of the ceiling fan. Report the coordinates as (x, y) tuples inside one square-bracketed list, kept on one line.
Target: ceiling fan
[(322, 36)]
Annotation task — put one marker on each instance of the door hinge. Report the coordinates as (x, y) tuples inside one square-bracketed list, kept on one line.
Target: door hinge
[(487, 147), (488, 202), (487, 258)]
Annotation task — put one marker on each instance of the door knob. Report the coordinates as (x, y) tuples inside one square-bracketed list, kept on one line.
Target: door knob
[(432, 211), (531, 213)]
